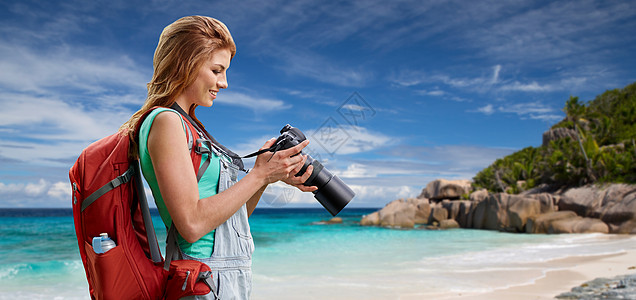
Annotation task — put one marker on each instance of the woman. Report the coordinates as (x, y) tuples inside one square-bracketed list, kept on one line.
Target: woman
[(210, 214)]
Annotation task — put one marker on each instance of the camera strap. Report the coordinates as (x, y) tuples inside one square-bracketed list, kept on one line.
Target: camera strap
[(236, 159), (274, 148), (259, 152)]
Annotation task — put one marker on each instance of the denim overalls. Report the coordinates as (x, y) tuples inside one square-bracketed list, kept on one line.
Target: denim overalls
[(231, 260)]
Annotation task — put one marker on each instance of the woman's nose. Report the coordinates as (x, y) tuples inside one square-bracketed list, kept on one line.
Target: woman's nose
[(222, 83)]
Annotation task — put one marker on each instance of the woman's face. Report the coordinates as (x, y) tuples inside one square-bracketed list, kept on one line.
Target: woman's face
[(211, 78)]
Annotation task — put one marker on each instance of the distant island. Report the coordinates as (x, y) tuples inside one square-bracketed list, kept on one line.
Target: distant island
[(581, 179)]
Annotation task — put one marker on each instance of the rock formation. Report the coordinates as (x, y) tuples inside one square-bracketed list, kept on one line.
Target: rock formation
[(446, 189), (592, 208), (557, 133)]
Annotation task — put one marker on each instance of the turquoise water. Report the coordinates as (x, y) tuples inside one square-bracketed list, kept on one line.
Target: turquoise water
[(298, 256)]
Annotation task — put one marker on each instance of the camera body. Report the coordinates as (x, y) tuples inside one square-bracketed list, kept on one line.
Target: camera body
[(332, 192)]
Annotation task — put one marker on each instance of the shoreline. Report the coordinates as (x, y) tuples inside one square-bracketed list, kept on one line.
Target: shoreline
[(566, 274), (509, 278)]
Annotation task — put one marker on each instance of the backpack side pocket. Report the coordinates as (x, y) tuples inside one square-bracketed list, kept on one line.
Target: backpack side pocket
[(188, 277)]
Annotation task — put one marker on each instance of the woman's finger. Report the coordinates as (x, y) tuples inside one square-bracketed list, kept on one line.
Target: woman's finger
[(268, 144), (306, 188), (305, 176), (294, 150), (299, 165)]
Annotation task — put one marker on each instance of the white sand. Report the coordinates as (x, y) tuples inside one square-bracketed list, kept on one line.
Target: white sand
[(572, 272), (579, 270), (558, 276)]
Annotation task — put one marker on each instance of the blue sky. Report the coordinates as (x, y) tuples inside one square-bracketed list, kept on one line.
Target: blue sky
[(392, 94)]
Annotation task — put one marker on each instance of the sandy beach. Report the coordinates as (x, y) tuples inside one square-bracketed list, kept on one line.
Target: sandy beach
[(512, 277), (571, 272)]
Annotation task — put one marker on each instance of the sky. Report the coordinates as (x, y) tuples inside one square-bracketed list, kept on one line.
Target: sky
[(391, 94)]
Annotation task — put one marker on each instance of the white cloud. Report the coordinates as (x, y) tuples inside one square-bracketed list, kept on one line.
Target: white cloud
[(257, 104), (533, 110), (488, 109), (34, 192), (280, 194), (36, 189), (33, 70), (10, 188), (60, 190), (312, 65), (380, 195), (530, 110), (495, 74), (328, 141), (528, 87), (402, 173), (465, 82), (62, 121), (356, 170), (335, 139), (494, 84), (481, 83), (283, 195), (46, 131), (526, 108), (445, 161), (354, 107), (57, 99), (436, 93), (557, 32), (409, 77)]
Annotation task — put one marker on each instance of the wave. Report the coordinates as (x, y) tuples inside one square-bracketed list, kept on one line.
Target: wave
[(17, 271)]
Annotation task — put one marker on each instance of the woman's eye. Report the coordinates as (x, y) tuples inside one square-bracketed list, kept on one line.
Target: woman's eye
[(217, 72)]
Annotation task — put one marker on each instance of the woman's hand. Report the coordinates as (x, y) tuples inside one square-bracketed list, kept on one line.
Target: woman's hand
[(298, 181), (284, 165)]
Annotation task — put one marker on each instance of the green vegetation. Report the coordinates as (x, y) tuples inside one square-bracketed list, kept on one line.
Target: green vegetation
[(597, 145)]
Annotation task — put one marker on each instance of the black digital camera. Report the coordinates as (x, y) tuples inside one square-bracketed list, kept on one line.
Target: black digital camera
[(332, 192)]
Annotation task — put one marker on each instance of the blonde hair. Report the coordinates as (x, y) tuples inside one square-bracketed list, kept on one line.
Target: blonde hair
[(182, 49)]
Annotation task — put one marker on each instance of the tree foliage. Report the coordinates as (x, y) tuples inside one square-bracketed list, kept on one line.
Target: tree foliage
[(602, 148)]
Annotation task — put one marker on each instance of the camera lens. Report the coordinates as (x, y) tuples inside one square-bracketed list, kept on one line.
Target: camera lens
[(332, 192)]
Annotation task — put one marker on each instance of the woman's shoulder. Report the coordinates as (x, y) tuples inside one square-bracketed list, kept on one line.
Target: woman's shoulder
[(162, 127), (162, 111), (167, 115), (164, 121), (162, 115)]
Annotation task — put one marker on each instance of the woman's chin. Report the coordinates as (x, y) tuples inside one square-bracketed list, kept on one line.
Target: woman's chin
[(207, 103)]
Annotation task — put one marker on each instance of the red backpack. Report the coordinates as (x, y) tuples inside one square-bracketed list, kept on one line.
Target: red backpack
[(109, 197)]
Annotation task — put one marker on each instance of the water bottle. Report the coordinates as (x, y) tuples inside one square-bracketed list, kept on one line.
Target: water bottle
[(103, 243)]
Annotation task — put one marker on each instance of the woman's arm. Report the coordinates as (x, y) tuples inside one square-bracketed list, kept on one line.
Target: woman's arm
[(251, 204), (194, 217)]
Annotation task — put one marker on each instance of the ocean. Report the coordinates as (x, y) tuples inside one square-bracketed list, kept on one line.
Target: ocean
[(298, 256)]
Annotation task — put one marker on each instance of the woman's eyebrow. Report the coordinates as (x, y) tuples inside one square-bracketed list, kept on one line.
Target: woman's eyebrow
[(221, 66)]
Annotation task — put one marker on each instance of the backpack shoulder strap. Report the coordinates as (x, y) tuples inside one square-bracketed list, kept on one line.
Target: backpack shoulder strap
[(153, 244)]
